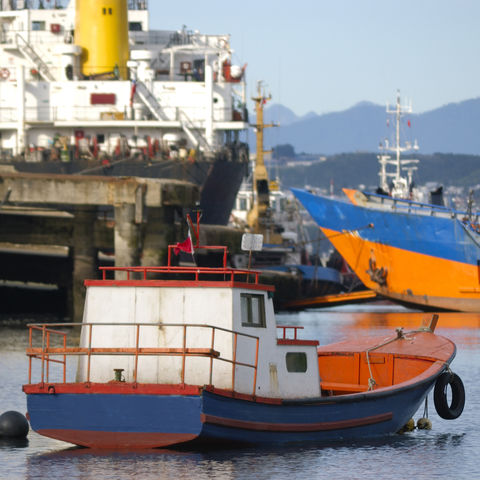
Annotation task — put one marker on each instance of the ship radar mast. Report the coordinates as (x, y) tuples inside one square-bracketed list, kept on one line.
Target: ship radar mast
[(258, 217), (400, 186)]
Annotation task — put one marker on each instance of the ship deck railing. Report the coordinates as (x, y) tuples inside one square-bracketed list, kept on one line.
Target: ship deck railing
[(195, 274), (413, 206), (53, 349)]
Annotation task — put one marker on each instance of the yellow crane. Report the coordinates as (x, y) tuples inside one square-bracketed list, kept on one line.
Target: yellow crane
[(259, 218)]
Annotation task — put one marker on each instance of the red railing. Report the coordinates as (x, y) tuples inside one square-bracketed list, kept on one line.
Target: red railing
[(45, 352), (195, 272), (289, 327)]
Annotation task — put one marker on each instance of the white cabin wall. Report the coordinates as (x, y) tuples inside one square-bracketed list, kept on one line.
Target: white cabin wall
[(273, 379), (152, 305)]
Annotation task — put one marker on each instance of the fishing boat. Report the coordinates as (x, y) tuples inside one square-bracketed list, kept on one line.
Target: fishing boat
[(418, 254), (87, 87), (188, 355)]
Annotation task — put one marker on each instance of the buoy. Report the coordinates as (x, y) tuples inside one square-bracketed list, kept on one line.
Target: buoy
[(13, 425), (424, 424), (408, 427)]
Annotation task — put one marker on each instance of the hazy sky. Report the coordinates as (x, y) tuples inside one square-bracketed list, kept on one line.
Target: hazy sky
[(325, 56)]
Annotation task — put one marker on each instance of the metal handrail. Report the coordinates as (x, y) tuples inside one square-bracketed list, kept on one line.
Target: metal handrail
[(195, 271), (46, 351)]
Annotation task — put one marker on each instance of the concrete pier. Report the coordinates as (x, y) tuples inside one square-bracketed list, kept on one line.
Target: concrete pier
[(83, 211)]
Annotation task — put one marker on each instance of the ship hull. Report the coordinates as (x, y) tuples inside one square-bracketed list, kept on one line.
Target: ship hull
[(416, 259), (138, 421), (219, 179)]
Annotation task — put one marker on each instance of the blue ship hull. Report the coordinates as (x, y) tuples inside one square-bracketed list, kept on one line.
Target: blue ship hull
[(119, 421), (415, 253)]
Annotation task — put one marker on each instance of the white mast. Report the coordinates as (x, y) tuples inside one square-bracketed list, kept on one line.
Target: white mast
[(401, 185)]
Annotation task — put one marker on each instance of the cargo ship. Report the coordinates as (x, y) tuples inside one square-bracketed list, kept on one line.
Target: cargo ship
[(88, 88), (418, 254)]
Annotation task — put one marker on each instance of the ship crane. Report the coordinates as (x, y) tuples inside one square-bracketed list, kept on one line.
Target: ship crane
[(259, 217)]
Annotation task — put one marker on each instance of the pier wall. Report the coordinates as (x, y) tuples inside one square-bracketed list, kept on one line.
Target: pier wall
[(129, 217)]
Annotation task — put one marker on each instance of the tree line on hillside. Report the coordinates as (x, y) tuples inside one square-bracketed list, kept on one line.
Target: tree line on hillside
[(348, 170)]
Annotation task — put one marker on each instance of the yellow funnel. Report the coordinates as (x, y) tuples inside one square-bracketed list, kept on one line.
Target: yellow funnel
[(101, 29)]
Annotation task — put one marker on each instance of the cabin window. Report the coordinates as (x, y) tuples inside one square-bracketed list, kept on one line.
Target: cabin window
[(296, 362), (104, 11), (109, 11), (38, 26), (253, 310)]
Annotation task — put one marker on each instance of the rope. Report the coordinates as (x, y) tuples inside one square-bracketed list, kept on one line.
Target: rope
[(425, 408), (371, 380), (400, 335)]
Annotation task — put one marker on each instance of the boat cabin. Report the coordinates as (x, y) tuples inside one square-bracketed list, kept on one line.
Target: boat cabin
[(217, 328)]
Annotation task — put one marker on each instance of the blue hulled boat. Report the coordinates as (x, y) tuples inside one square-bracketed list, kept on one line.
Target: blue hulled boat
[(174, 355)]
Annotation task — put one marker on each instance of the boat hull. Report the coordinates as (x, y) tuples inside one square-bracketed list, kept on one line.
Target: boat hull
[(417, 259), (112, 421), (134, 421)]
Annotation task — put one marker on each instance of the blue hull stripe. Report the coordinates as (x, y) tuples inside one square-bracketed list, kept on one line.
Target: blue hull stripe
[(446, 238)]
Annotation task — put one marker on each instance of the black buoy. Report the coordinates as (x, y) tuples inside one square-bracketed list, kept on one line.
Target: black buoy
[(13, 425)]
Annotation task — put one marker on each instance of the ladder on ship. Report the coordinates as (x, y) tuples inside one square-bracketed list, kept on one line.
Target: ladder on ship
[(29, 52), (193, 133), (155, 108), (150, 101)]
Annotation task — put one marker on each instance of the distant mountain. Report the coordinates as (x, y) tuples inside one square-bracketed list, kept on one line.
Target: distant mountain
[(279, 114), (451, 128)]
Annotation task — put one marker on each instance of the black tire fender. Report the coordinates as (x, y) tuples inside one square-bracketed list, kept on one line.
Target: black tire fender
[(455, 409)]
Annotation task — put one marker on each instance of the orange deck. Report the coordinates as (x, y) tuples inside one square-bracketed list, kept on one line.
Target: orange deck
[(346, 367)]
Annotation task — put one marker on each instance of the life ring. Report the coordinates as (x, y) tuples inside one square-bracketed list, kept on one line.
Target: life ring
[(455, 409), (4, 73)]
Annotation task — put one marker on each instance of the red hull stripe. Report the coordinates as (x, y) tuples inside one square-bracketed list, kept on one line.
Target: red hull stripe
[(117, 440), (296, 427)]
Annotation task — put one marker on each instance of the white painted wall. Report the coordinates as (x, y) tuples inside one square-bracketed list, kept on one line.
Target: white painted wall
[(273, 379), (218, 307), (154, 305)]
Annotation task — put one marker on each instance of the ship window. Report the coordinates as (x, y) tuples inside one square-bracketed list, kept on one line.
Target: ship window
[(135, 26), (296, 362), (38, 26), (242, 203), (109, 11), (104, 11), (253, 310)]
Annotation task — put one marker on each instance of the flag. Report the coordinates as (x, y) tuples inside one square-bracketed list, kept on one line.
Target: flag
[(185, 246)]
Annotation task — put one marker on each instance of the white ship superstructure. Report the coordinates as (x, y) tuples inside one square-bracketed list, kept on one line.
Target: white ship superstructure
[(177, 94)]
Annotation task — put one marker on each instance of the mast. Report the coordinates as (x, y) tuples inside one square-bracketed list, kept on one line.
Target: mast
[(401, 185), (257, 216)]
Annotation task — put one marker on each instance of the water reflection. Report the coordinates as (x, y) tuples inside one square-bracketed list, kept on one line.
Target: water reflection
[(398, 453), (6, 442)]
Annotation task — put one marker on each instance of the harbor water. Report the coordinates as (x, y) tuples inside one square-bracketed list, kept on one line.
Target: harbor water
[(449, 450)]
